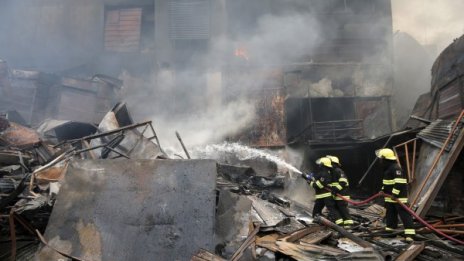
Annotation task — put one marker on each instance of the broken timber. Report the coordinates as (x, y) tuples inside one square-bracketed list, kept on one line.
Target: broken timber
[(342, 231), (411, 252)]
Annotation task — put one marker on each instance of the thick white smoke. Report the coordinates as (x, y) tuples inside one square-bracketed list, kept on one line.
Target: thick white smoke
[(200, 101)]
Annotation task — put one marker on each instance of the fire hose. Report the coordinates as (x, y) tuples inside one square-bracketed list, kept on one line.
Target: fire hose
[(409, 210)]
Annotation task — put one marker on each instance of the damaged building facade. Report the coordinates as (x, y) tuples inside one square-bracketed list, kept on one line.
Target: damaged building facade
[(334, 90)]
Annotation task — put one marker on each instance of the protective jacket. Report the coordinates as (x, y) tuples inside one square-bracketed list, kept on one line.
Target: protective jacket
[(340, 183), (395, 183), (321, 180)]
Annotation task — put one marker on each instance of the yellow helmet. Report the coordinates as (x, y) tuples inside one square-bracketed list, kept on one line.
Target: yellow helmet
[(324, 161), (333, 159), (385, 153)]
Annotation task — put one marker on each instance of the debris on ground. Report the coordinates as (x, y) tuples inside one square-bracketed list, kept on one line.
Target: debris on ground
[(77, 190)]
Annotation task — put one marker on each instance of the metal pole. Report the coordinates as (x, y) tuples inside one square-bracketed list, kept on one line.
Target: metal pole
[(375, 160), (183, 146), (373, 163)]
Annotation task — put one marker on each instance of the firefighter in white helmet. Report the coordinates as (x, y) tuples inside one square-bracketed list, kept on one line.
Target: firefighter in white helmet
[(396, 184)]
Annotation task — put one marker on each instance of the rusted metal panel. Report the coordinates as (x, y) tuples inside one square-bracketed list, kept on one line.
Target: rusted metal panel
[(422, 109), (19, 136), (449, 103), (268, 129), (448, 66), (122, 29), (134, 210), (429, 181)]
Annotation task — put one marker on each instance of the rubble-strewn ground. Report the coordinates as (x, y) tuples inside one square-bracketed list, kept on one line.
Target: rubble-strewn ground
[(145, 206)]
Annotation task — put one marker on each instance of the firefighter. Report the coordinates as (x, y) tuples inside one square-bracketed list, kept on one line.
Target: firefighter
[(340, 186), (396, 184), (320, 182)]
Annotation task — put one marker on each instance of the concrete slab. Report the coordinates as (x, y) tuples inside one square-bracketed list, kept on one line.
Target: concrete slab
[(134, 210)]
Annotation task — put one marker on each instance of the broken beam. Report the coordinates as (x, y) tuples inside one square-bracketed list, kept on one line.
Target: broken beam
[(103, 134), (251, 238), (183, 145), (411, 252), (356, 239)]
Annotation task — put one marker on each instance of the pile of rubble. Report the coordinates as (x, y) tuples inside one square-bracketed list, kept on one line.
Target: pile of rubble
[(78, 191), (255, 223), (33, 164)]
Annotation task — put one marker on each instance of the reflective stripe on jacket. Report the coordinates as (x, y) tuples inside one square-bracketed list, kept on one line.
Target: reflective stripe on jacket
[(395, 183)]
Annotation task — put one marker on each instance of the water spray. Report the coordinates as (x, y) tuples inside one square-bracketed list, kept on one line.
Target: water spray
[(243, 153)]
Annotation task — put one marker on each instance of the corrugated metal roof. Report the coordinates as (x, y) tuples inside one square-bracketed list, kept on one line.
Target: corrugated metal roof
[(189, 19), (438, 131)]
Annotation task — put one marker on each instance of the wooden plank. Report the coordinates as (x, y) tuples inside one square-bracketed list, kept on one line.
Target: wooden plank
[(270, 215), (132, 23), (122, 38), (308, 252), (130, 18), (119, 27), (268, 242), (411, 252), (124, 45), (251, 239), (316, 238), (132, 11), (295, 252), (301, 233), (119, 32), (204, 255)]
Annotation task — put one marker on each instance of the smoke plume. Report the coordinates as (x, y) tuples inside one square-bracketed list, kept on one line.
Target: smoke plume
[(202, 101)]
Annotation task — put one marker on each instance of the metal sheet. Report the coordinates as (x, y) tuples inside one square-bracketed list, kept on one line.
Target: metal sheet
[(189, 19), (449, 102), (19, 136), (134, 144), (134, 210), (438, 131), (422, 199)]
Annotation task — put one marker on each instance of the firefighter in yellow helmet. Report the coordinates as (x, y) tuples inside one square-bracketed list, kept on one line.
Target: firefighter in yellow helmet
[(320, 182), (340, 186), (396, 184)]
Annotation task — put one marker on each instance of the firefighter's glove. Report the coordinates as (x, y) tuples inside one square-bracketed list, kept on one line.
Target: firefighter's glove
[(308, 176)]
